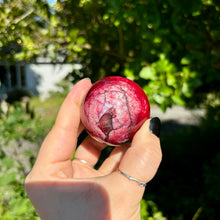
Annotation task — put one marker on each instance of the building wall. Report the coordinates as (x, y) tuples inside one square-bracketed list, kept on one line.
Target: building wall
[(42, 78), (38, 78)]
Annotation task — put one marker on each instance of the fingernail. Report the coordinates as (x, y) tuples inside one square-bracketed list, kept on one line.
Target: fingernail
[(88, 79), (155, 125)]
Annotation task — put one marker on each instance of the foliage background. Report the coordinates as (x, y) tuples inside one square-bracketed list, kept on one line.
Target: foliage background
[(170, 47)]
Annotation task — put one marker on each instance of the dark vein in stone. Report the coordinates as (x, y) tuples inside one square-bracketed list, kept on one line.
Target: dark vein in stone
[(129, 112)]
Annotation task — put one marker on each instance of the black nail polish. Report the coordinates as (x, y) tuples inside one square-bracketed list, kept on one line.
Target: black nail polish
[(155, 125)]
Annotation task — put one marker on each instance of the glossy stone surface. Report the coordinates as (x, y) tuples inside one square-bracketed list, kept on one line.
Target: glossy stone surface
[(114, 109)]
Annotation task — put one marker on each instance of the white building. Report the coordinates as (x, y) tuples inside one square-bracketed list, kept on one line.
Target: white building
[(37, 78)]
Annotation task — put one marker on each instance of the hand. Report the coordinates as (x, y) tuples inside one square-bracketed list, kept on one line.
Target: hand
[(63, 189)]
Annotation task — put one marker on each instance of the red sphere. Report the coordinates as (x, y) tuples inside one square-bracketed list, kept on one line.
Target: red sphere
[(114, 110)]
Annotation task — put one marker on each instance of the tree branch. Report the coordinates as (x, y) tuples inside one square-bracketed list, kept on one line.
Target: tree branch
[(22, 17)]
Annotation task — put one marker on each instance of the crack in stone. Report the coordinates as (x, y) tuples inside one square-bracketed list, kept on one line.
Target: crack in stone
[(105, 122), (129, 113)]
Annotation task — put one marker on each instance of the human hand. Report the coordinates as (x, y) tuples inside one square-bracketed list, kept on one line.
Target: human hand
[(61, 188)]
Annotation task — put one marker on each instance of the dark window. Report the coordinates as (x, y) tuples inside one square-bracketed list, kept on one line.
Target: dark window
[(12, 76), (23, 78), (3, 77), (14, 82)]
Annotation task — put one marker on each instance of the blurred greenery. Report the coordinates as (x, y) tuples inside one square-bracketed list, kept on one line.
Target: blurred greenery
[(16, 125), (171, 48)]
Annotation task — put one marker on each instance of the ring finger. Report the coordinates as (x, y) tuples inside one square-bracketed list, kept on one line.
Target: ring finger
[(89, 150)]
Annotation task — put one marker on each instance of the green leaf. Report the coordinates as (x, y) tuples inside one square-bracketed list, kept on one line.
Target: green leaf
[(166, 90), (7, 162), (80, 40), (77, 48), (129, 74), (159, 98), (73, 33), (105, 17), (186, 90), (7, 178), (157, 40), (161, 65), (29, 153), (148, 73), (185, 61), (20, 56), (1, 208), (171, 79), (53, 20), (177, 100), (116, 23)]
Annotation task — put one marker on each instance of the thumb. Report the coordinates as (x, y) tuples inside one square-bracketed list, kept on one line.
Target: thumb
[(143, 158)]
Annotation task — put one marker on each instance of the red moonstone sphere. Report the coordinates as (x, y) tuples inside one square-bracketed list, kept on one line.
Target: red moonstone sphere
[(114, 109)]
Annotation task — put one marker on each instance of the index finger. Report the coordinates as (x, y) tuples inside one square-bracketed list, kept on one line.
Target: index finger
[(60, 143), (143, 158)]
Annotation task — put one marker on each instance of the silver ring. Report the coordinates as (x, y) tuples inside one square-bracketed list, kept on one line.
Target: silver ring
[(140, 183), (83, 161)]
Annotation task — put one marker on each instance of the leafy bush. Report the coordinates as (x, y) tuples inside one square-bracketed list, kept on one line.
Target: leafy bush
[(14, 203), (123, 37), (169, 47), (17, 129), (149, 211), (177, 86), (18, 123), (22, 129)]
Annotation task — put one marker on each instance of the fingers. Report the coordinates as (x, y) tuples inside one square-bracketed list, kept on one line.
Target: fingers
[(112, 162), (60, 143), (143, 158), (89, 150)]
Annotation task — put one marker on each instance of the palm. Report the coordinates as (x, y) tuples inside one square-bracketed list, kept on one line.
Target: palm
[(89, 150), (75, 170)]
